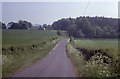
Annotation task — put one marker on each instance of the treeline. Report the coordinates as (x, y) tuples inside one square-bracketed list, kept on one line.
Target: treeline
[(46, 27), (88, 27), (80, 27), (21, 24), (16, 25)]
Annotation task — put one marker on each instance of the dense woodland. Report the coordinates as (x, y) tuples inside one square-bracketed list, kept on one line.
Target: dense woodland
[(88, 27), (80, 27)]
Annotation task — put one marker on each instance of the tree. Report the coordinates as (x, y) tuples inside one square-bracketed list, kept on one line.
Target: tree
[(98, 27), (63, 24), (15, 26), (99, 32), (0, 25), (40, 27), (71, 30), (10, 23), (59, 33), (25, 24), (45, 26), (49, 27), (20, 25), (3, 25), (79, 34)]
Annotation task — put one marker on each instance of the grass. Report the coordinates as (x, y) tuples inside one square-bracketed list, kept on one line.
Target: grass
[(24, 47), (17, 37), (92, 60), (94, 43)]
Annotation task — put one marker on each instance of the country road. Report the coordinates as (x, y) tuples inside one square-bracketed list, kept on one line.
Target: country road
[(55, 64)]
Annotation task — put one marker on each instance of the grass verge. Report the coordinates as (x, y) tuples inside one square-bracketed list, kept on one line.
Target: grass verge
[(17, 57), (91, 62)]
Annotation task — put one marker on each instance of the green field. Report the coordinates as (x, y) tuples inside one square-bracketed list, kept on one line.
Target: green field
[(97, 43), (95, 57), (16, 37), (24, 47)]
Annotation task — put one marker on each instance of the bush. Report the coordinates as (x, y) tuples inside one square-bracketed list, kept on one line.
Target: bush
[(72, 40), (94, 62), (12, 48), (59, 33)]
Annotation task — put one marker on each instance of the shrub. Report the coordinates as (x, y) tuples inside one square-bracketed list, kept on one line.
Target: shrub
[(12, 48), (59, 33), (72, 41), (98, 62)]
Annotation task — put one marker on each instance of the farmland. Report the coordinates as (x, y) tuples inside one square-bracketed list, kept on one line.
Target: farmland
[(17, 37), (24, 47), (94, 57), (101, 43)]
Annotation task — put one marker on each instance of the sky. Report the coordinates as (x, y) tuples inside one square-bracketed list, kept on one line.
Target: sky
[(48, 12)]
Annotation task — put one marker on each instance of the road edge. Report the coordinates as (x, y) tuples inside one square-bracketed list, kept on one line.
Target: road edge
[(74, 68), (10, 74)]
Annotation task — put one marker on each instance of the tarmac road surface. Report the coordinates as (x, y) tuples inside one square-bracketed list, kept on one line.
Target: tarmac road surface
[(55, 64)]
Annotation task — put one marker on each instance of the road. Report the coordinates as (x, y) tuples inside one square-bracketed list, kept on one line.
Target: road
[(55, 64)]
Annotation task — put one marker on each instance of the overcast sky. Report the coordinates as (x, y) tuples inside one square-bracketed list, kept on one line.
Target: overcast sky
[(48, 12)]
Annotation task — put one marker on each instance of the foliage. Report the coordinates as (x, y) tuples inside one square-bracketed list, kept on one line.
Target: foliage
[(94, 62), (45, 27), (3, 25), (59, 33), (80, 34), (25, 55), (72, 40), (25, 47), (20, 25), (88, 27)]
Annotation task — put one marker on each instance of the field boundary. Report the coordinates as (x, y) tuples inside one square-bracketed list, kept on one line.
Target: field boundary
[(92, 62), (10, 74)]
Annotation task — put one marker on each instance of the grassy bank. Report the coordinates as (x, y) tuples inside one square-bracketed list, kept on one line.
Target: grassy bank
[(94, 61), (25, 47)]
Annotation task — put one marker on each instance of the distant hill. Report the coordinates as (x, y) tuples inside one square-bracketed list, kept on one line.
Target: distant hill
[(88, 27)]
